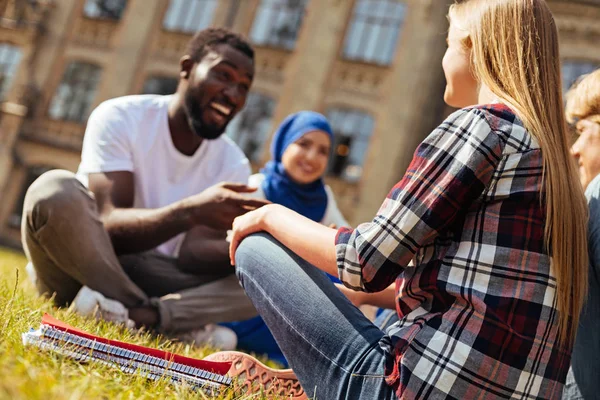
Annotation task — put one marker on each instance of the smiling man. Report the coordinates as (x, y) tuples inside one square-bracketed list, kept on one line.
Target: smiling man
[(108, 240)]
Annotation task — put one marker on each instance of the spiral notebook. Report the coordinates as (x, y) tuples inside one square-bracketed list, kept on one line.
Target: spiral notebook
[(56, 336)]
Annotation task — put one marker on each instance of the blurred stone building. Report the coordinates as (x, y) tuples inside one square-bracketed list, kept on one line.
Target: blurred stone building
[(372, 66)]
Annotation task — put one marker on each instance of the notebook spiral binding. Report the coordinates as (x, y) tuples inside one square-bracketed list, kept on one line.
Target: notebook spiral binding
[(83, 349)]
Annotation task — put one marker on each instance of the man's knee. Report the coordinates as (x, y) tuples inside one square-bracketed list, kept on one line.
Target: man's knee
[(57, 193)]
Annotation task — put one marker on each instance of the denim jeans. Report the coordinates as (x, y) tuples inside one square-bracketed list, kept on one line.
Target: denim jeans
[(332, 347)]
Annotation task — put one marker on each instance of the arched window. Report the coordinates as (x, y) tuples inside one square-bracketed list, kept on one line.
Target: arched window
[(374, 30), (10, 57), (189, 16), (278, 22), (250, 129), (32, 174), (160, 85), (573, 69), (104, 9), (353, 130), (75, 94)]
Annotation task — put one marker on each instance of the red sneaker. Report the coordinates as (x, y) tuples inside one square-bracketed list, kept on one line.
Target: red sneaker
[(253, 376)]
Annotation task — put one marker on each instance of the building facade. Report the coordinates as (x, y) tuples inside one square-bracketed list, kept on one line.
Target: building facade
[(372, 66)]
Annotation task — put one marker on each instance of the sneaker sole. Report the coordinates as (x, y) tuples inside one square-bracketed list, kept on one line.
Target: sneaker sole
[(253, 376)]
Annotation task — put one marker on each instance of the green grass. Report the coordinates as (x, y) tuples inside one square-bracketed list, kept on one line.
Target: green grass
[(29, 373)]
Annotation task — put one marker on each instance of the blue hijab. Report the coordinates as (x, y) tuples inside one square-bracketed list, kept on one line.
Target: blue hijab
[(309, 199)]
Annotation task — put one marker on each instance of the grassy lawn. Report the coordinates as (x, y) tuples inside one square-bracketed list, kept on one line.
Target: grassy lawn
[(28, 373)]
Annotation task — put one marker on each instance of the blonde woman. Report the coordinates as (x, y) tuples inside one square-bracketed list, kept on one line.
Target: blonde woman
[(485, 237), (583, 111)]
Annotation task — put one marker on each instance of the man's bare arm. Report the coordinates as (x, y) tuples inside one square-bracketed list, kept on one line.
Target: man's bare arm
[(134, 230), (131, 229)]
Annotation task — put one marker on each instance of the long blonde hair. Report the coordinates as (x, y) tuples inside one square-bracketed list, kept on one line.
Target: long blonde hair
[(514, 52)]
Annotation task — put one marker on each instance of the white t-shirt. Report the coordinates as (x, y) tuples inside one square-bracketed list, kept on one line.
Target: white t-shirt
[(333, 215), (131, 133)]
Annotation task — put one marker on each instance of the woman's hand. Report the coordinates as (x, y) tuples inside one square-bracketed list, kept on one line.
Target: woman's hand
[(308, 239), (244, 225)]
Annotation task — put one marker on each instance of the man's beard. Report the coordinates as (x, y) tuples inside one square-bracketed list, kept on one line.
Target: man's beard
[(194, 115)]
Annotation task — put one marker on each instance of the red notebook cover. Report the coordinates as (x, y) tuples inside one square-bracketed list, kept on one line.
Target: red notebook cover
[(220, 368)]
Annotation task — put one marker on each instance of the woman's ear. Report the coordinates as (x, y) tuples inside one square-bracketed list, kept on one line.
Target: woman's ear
[(467, 43)]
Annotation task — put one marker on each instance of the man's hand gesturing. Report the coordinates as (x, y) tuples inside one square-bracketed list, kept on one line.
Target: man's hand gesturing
[(220, 204)]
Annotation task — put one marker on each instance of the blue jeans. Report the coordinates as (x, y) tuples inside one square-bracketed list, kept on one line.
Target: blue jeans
[(332, 347)]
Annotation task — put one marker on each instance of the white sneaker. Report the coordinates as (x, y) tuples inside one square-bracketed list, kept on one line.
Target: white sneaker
[(216, 336), (88, 302)]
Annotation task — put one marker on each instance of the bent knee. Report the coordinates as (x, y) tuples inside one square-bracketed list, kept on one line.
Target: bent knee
[(256, 250), (56, 193)]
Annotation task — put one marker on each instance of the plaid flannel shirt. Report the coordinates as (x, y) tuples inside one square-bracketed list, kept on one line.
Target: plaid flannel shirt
[(462, 236)]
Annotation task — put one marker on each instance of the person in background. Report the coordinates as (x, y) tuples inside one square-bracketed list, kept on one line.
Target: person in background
[(108, 240), (300, 152), (583, 112)]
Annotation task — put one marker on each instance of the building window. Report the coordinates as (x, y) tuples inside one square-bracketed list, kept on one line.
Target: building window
[(250, 129), (352, 130), (32, 174), (189, 16), (104, 9), (75, 94), (10, 56), (573, 69), (277, 23), (374, 30), (160, 85)]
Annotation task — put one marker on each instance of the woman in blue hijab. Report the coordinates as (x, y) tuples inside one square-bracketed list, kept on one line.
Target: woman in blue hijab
[(300, 153), (293, 177)]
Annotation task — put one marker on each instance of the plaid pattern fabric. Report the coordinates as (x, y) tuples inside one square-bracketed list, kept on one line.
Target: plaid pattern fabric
[(462, 235)]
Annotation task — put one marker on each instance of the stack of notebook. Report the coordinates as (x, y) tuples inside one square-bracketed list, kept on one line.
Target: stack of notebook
[(56, 336)]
